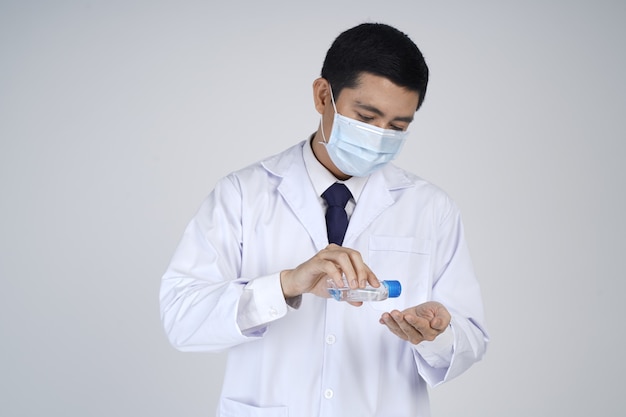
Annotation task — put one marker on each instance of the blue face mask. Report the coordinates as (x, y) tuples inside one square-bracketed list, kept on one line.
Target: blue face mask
[(358, 148)]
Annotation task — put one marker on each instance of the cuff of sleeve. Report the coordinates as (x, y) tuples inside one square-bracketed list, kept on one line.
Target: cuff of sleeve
[(262, 302), (434, 358), (294, 302), (438, 353)]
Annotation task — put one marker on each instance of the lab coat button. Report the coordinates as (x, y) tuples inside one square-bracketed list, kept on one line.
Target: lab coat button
[(330, 339), (328, 394), (273, 312)]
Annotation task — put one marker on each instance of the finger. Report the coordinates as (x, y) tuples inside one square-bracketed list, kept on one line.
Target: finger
[(364, 274), (325, 264), (422, 326), (441, 320), (415, 329), (373, 280), (343, 258), (392, 321), (329, 269), (388, 320), (344, 262), (350, 261), (437, 323)]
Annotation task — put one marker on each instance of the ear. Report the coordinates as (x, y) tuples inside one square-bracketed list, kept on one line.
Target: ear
[(321, 94)]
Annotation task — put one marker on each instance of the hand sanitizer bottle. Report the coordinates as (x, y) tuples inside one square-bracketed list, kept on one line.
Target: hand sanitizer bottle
[(387, 289)]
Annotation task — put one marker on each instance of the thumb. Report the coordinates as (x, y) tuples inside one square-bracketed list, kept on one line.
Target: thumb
[(438, 323)]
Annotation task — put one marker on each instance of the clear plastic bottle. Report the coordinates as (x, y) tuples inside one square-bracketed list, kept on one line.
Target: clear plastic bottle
[(387, 289)]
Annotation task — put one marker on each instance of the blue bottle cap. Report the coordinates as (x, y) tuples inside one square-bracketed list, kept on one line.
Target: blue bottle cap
[(394, 288)]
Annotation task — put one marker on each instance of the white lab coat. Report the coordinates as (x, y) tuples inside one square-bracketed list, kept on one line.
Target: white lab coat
[(324, 358)]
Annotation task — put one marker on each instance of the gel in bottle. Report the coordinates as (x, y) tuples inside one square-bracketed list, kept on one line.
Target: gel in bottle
[(387, 289)]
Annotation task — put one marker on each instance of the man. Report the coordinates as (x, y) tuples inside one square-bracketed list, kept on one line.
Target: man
[(250, 273)]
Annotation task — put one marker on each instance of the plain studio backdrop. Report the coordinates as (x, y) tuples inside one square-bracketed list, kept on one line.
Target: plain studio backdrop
[(118, 117)]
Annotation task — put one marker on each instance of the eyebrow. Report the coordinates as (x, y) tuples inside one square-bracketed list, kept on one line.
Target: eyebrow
[(375, 110)]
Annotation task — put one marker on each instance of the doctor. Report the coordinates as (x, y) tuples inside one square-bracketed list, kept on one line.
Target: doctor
[(249, 275)]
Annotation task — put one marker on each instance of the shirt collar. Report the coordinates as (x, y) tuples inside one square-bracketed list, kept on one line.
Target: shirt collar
[(322, 178)]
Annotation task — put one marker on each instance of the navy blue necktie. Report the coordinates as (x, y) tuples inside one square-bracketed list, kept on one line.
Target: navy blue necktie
[(337, 195)]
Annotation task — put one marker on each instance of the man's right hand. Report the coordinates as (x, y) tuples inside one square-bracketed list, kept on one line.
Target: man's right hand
[(331, 262)]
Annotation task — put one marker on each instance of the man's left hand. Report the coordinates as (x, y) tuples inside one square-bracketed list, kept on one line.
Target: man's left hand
[(416, 324)]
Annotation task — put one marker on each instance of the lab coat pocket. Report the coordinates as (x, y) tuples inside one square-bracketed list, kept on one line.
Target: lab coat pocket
[(404, 259), (233, 408)]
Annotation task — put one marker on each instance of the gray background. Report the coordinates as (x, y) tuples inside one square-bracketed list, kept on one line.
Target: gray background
[(118, 117)]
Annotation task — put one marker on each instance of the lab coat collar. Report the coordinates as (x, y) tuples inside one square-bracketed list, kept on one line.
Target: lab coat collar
[(300, 195), (298, 192)]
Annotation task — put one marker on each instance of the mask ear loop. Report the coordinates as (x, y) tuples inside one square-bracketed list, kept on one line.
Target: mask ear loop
[(332, 99)]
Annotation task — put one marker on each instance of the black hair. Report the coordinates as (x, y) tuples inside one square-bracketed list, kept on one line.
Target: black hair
[(377, 49)]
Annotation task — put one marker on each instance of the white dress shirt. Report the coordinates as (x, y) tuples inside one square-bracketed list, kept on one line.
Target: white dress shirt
[(321, 178)]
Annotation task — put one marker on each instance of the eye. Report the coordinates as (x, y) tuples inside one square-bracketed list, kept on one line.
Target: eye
[(397, 128), (364, 118)]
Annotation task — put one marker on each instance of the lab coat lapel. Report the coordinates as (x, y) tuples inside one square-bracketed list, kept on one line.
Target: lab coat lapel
[(299, 194), (375, 198)]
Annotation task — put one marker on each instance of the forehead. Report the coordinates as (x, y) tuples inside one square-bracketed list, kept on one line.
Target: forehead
[(381, 93)]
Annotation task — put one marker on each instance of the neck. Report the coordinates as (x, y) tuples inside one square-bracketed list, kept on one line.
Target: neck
[(319, 150)]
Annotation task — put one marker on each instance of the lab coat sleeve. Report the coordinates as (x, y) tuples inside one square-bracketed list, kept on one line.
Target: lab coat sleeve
[(205, 304), (456, 287)]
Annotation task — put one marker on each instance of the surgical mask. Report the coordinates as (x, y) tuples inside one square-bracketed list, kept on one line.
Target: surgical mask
[(358, 148)]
